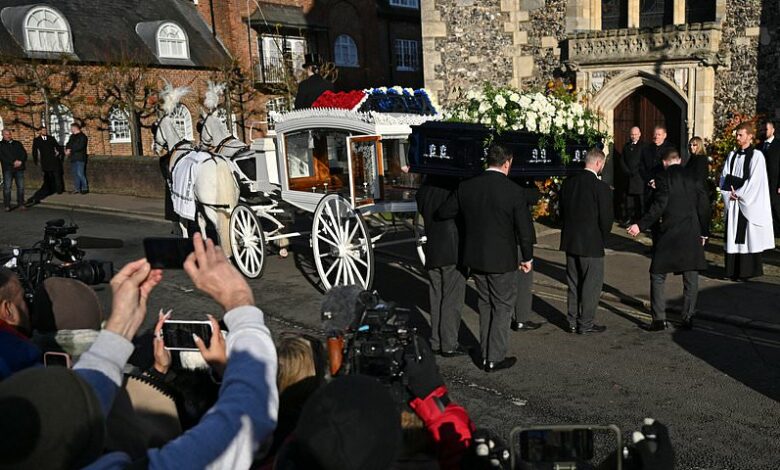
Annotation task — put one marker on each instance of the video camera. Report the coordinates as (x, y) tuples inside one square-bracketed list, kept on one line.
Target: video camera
[(367, 335), (57, 255)]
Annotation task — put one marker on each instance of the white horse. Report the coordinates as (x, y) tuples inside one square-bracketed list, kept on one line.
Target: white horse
[(215, 135), (215, 189)]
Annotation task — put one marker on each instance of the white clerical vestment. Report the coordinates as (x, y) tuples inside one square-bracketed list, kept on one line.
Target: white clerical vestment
[(753, 204)]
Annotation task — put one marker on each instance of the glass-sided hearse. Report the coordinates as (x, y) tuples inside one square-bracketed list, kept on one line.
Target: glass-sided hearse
[(346, 167)]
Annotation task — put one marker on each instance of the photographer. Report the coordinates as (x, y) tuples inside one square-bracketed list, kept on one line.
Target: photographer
[(227, 436), (17, 352)]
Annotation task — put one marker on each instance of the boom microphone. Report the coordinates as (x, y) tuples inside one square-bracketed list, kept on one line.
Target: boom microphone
[(343, 308), (98, 243)]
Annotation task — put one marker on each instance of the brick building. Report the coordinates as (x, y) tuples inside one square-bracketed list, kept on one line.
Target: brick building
[(188, 42), (687, 64)]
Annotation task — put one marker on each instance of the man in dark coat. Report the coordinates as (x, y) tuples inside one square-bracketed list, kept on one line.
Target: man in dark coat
[(447, 278), (12, 158), (521, 318), (771, 151), (587, 215), (495, 221), (630, 164), (651, 165), (682, 206), (76, 149), (47, 150), (314, 85)]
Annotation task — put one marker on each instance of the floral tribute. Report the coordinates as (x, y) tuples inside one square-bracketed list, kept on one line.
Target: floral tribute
[(382, 100), (341, 100), (718, 150), (556, 114)]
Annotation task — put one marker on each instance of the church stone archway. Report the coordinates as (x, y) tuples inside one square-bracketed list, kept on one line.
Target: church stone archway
[(646, 99)]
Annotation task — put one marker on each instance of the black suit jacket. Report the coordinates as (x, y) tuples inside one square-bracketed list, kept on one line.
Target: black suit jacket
[(495, 221), (442, 247), (682, 207), (77, 143), (651, 160), (772, 156), (699, 167), (10, 151), (630, 163), (46, 151), (311, 89), (587, 215)]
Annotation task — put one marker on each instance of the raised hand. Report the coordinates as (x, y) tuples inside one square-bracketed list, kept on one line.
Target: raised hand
[(131, 287), (212, 273), (216, 352)]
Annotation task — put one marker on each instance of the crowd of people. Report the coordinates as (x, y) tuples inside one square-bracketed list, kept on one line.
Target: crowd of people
[(267, 403), (482, 228), (51, 156)]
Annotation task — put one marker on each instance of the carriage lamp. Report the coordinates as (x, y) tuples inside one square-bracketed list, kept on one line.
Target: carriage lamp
[(325, 185)]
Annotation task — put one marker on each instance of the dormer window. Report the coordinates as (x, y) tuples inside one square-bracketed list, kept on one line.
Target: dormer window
[(46, 30), (172, 42)]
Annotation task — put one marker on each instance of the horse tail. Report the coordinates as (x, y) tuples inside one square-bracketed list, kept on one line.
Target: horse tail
[(227, 195)]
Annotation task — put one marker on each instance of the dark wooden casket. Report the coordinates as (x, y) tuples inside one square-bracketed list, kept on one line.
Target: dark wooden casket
[(458, 149)]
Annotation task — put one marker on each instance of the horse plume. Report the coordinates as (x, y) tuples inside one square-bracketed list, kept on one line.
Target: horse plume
[(171, 96), (213, 94)]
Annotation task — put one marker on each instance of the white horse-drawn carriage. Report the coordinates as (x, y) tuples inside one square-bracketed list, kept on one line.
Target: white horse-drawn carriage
[(340, 165)]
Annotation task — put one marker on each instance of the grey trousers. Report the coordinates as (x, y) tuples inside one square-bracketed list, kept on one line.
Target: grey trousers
[(585, 278), (446, 292), (690, 294), (525, 282), (497, 294)]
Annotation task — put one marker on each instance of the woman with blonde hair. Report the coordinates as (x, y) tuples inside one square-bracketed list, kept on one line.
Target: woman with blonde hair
[(698, 161)]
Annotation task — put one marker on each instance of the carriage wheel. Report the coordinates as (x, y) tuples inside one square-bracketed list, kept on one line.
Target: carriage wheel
[(343, 251), (247, 241), (420, 238)]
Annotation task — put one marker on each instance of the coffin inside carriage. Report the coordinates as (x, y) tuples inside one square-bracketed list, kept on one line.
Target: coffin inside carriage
[(458, 149)]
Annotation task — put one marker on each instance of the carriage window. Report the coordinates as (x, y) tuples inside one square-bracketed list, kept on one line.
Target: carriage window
[(398, 185), (317, 160)]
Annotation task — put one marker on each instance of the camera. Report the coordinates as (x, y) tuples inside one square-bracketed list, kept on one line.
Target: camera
[(57, 255), (378, 345)]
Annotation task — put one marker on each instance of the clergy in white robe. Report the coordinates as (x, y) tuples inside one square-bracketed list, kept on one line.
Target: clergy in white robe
[(748, 213)]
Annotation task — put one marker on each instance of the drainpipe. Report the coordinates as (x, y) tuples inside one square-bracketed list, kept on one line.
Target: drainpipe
[(213, 22)]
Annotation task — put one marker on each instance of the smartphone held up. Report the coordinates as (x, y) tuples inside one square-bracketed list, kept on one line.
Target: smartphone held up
[(178, 334)]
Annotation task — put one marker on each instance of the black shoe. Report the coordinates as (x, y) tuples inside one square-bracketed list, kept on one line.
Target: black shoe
[(506, 363), (458, 351), (86, 191), (592, 330), (571, 329), (524, 326), (658, 325), (31, 202), (685, 324)]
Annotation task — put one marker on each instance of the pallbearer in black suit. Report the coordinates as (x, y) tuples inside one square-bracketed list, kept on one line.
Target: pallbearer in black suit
[(47, 150), (447, 278), (682, 206), (771, 151), (587, 214), (495, 221), (521, 318)]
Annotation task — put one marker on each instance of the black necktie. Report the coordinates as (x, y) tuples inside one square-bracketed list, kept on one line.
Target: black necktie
[(766, 146)]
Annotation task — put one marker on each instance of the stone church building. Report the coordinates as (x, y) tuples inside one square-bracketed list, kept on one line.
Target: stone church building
[(686, 64)]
